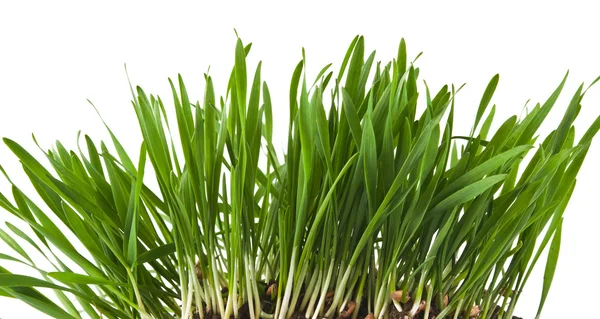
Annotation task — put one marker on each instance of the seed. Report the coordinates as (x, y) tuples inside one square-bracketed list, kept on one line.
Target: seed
[(272, 290), (198, 271), (397, 295), (349, 309), (475, 311), (329, 295)]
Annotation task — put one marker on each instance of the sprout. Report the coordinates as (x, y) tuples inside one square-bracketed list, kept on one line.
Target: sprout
[(474, 311)]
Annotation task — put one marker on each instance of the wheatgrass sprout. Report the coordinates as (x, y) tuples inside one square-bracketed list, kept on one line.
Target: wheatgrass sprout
[(374, 211)]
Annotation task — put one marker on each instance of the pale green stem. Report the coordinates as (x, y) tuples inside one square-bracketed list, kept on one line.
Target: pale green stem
[(417, 300), (255, 290), (397, 305), (338, 295), (249, 291), (229, 306), (278, 305), (197, 289), (288, 286), (187, 303), (428, 305), (210, 297), (233, 292), (309, 290), (323, 291), (314, 295), (297, 289), (382, 296), (137, 294), (265, 315)]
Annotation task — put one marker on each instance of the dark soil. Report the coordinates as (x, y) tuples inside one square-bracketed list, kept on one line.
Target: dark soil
[(298, 315), (268, 306), (497, 311), (244, 313)]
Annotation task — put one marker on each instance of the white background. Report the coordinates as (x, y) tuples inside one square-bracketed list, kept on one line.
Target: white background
[(55, 55)]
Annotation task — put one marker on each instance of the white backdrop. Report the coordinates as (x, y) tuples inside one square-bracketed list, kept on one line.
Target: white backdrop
[(54, 55)]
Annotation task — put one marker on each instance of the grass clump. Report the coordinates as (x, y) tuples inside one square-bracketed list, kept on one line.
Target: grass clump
[(374, 211)]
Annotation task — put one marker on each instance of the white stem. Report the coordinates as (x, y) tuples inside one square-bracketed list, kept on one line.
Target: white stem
[(415, 307), (343, 305), (383, 313), (216, 290), (277, 306), (229, 306), (324, 291), (397, 305), (199, 296), (209, 294), (249, 290), (428, 305), (381, 297), (183, 299), (338, 293), (233, 292), (419, 294), (187, 303), (196, 287), (256, 294), (296, 293), (288, 286), (345, 302), (309, 290), (314, 295), (253, 296)]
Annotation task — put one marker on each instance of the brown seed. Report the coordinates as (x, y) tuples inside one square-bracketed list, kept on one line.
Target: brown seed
[(349, 309), (329, 295), (272, 290), (446, 301), (474, 311), (198, 271), (397, 295), (370, 316)]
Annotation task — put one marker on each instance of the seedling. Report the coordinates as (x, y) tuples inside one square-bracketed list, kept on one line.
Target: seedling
[(376, 209)]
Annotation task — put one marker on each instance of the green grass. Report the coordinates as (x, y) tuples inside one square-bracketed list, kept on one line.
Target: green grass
[(373, 207)]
